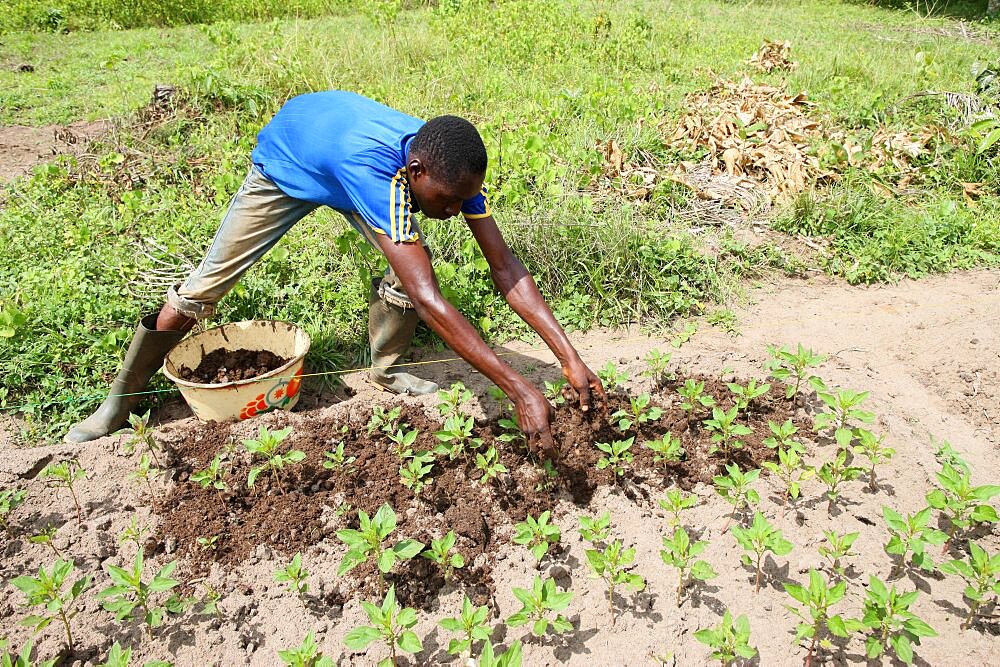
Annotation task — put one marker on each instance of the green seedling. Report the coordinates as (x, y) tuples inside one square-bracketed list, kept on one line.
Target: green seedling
[(964, 505), (512, 432), (294, 576), (665, 450), (266, 446), (504, 405), (735, 487), (142, 435), (65, 473), (815, 614), (46, 536), (639, 412), (129, 592), (415, 471), (442, 553), (470, 624), (509, 658), (870, 447), (912, 534), (212, 478), (889, 623), (404, 441), (657, 363), (679, 553), (792, 368), (611, 377), (390, 623), (728, 640), (843, 405), (456, 436), (537, 606), (9, 501), (384, 420), (981, 573), (306, 654), (618, 456), (337, 461), (675, 502), (122, 657), (682, 337), (725, 431), (834, 473), (210, 602), (537, 534), (208, 543), (145, 472), (945, 453), (595, 531), (22, 659), (791, 470), (781, 437), (745, 395), (554, 391), (837, 547), (450, 400), (612, 564), (694, 396), (46, 591), (548, 476), (490, 464), (368, 543), (757, 540), (133, 533)]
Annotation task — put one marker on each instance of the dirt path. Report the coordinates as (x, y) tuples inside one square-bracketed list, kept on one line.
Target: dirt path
[(927, 350), (22, 148)]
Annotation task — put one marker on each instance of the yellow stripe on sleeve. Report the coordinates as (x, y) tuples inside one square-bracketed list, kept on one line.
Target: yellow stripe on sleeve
[(392, 205)]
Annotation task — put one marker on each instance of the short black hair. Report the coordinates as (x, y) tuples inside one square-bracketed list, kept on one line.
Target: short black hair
[(450, 147)]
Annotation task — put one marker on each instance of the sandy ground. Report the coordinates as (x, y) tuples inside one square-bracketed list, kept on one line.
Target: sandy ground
[(22, 147), (927, 350)]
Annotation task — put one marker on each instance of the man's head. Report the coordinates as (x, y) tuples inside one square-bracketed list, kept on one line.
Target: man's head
[(446, 165)]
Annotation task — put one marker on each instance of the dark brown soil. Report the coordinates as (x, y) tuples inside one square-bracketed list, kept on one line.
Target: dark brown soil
[(313, 503), (224, 365)]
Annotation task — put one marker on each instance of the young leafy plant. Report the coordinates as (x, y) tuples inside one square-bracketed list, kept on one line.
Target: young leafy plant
[(835, 472), (456, 436), (10, 500), (489, 464), (781, 437), (266, 446), (792, 368), (837, 547), (675, 502), (145, 472), (612, 564), (666, 449), (416, 470), (509, 658), (404, 441), (618, 455), (757, 540), (964, 504), (442, 553), (728, 640), (745, 394), (537, 534), (596, 531), (208, 543), (212, 478), (554, 391), (470, 624), (725, 431), (65, 473), (912, 534), (639, 412), (129, 592), (843, 405), (891, 624), (22, 659), (391, 623), (817, 599), (512, 432), (133, 533), (736, 488), (679, 552), (294, 575), (122, 657), (451, 399), (142, 434), (368, 543), (694, 396), (46, 536), (537, 606), (981, 573), (306, 654), (657, 363), (791, 470), (870, 447), (611, 377), (337, 461), (46, 591), (384, 420)]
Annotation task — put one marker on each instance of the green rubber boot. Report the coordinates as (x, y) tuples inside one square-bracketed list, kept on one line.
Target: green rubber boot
[(390, 330), (144, 357)]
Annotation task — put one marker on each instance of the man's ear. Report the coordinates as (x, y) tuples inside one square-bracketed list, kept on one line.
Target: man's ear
[(415, 168)]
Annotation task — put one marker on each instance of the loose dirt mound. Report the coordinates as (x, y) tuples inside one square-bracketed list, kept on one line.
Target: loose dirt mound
[(224, 365), (23, 148)]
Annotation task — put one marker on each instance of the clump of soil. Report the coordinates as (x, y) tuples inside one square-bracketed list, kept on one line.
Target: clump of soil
[(313, 502), (224, 365)]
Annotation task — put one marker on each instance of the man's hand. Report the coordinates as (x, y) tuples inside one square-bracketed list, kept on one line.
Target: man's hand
[(535, 415), (585, 384)]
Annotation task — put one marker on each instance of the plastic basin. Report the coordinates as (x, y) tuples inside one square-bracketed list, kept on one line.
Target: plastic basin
[(228, 401)]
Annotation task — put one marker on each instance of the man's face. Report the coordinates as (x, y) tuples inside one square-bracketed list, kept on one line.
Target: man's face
[(438, 199)]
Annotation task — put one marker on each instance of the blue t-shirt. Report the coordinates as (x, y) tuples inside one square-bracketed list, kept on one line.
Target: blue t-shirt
[(349, 153)]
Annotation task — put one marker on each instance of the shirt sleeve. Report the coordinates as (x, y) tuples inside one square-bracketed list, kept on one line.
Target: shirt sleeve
[(383, 200), (476, 207)]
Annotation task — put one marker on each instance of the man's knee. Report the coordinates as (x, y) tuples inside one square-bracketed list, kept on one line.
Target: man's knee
[(187, 307)]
